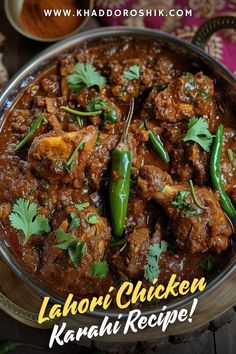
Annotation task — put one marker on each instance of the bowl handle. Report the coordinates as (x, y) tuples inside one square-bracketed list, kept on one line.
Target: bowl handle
[(216, 23)]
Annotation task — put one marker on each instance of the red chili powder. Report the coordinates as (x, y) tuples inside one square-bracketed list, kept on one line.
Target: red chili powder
[(35, 21)]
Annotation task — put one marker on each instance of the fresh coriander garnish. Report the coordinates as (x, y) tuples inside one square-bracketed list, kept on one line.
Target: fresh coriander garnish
[(151, 269), (37, 122), (84, 75), (76, 253), (181, 203), (69, 164), (75, 221), (207, 265), (92, 218), (96, 104), (198, 132), (133, 72), (76, 249), (66, 239), (82, 206), (80, 113), (99, 268), (25, 217)]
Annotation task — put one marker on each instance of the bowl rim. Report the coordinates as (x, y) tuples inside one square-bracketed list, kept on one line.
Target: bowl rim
[(39, 39), (58, 48)]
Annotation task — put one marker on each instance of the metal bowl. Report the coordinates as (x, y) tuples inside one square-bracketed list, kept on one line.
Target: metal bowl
[(44, 60), (13, 13)]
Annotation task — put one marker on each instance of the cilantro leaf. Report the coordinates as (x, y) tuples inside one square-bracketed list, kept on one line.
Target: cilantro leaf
[(82, 206), (76, 249), (198, 132), (151, 269), (66, 239), (84, 75), (133, 72), (76, 252), (92, 218), (99, 268), (25, 217), (181, 203), (75, 221), (96, 104)]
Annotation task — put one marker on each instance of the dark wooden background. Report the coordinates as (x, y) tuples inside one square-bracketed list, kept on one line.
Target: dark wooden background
[(17, 51)]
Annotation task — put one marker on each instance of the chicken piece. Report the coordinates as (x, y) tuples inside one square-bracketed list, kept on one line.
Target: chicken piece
[(49, 154), (50, 85), (96, 235), (205, 229), (167, 68), (185, 267), (137, 154), (137, 214), (131, 261), (185, 97), (187, 159), (58, 264), (98, 162)]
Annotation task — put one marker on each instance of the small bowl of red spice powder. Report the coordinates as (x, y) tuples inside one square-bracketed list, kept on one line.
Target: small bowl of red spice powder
[(47, 20)]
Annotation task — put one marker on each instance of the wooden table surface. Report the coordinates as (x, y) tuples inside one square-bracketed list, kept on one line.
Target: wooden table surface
[(17, 51)]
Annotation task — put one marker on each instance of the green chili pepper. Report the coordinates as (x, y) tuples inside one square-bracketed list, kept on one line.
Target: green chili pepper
[(71, 160), (158, 146), (80, 113), (119, 186), (31, 132), (215, 173)]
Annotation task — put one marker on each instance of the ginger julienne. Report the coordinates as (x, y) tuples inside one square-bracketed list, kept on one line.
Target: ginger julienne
[(133, 293)]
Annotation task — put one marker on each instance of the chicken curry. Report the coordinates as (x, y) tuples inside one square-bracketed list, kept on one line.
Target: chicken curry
[(118, 163)]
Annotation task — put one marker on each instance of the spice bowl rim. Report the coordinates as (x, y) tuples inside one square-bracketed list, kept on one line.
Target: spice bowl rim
[(27, 34)]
